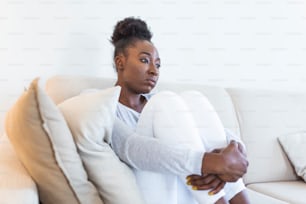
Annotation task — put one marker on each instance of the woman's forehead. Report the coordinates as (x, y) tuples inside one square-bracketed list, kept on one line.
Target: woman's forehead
[(144, 46)]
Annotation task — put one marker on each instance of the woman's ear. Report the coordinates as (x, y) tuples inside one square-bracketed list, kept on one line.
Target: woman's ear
[(119, 62)]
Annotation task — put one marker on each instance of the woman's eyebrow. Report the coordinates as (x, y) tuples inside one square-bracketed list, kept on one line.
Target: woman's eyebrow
[(146, 53), (149, 54)]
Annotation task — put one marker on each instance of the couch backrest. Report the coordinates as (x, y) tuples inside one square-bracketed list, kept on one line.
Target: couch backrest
[(63, 87), (264, 116)]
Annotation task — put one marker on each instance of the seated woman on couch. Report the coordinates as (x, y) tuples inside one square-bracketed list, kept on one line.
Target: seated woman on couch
[(158, 140)]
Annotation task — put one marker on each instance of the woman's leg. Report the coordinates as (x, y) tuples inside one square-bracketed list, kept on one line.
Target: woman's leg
[(207, 121), (212, 133), (239, 198), (167, 117)]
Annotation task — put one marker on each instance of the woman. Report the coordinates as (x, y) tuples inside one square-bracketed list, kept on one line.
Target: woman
[(138, 64)]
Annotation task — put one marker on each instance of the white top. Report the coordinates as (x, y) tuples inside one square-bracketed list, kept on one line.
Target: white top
[(149, 154)]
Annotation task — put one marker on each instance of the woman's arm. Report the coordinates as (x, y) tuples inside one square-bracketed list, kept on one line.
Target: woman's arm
[(150, 154)]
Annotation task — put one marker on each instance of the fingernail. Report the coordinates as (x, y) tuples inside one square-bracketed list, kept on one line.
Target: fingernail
[(194, 188), (211, 193)]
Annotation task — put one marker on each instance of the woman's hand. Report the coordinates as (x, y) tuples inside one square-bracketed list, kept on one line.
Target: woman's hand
[(229, 163), (206, 182)]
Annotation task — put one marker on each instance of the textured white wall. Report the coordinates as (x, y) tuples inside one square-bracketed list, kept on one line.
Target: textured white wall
[(235, 43)]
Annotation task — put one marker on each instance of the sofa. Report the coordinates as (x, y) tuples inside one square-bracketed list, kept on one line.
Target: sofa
[(264, 119)]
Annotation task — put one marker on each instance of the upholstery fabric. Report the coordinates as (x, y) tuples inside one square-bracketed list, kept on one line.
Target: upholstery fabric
[(62, 87), (295, 147), (260, 198), (90, 117), (45, 146), (287, 191), (264, 116), (16, 184)]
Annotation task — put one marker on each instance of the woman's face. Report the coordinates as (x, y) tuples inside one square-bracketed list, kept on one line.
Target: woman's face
[(138, 69)]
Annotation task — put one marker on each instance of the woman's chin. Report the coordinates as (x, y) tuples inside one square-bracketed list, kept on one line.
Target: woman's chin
[(148, 89)]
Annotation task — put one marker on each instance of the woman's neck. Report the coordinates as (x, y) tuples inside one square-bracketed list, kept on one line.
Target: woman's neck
[(132, 100)]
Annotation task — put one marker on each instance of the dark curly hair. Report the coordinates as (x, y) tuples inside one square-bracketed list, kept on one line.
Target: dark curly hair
[(127, 31)]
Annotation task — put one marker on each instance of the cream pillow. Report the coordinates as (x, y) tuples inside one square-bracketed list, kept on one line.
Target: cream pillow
[(90, 117), (45, 146), (294, 146)]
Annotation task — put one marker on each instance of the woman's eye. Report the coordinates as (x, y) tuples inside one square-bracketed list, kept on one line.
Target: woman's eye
[(157, 66), (144, 60)]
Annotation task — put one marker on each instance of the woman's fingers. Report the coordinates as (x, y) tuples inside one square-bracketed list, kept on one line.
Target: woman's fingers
[(197, 180), (217, 189), (206, 182)]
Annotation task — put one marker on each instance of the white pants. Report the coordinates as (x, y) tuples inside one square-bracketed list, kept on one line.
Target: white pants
[(188, 121)]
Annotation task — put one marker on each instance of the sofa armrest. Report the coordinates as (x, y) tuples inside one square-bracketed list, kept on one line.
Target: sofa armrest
[(16, 185)]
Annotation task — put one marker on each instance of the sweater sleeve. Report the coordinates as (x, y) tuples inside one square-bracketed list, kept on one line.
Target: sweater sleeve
[(145, 153), (230, 135)]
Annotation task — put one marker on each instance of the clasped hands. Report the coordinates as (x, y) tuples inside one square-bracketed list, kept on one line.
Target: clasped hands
[(220, 166)]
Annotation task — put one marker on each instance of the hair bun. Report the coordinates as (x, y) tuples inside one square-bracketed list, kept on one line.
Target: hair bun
[(131, 28)]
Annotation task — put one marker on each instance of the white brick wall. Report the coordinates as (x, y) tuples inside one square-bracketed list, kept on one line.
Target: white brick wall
[(250, 43)]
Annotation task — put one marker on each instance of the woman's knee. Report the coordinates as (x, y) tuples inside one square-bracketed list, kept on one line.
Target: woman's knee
[(171, 120)]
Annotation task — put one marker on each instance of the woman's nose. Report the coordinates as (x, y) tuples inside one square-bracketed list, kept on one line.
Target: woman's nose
[(153, 69)]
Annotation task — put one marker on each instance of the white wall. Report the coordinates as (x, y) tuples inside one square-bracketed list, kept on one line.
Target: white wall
[(246, 43)]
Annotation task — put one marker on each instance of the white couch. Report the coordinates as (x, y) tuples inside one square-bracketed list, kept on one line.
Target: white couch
[(258, 116)]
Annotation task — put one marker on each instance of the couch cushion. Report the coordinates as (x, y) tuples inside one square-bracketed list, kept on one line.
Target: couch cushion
[(45, 146), (90, 117), (289, 191), (263, 117), (295, 147), (259, 198)]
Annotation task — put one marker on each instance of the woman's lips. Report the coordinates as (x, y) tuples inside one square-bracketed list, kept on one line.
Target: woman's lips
[(152, 81)]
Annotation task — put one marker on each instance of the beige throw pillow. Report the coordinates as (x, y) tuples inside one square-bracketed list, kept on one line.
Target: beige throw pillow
[(90, 117), (294, 146), (45, 146)]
